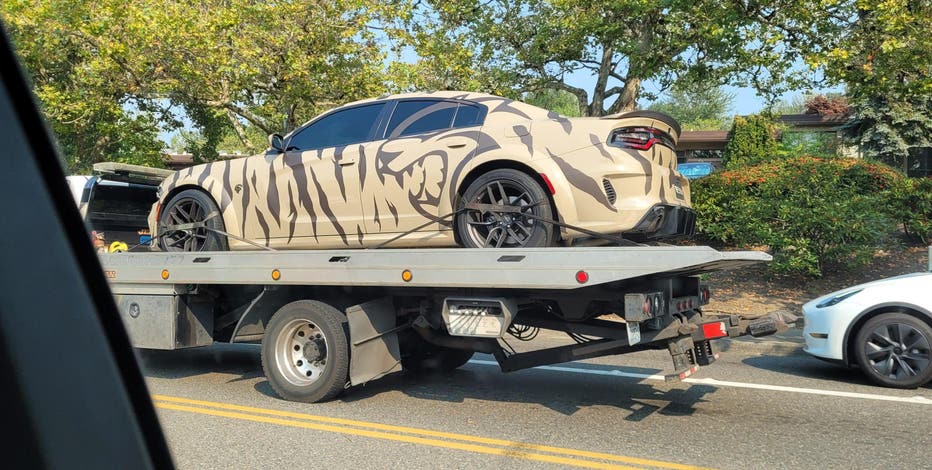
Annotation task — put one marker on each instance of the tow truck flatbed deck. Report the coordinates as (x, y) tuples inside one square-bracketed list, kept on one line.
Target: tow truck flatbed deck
[(533, 268)]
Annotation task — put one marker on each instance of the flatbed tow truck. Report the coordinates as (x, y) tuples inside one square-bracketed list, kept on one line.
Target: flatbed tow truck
[(331, 319)]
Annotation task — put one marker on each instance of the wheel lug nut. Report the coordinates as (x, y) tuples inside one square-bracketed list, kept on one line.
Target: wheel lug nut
[(300, 363)]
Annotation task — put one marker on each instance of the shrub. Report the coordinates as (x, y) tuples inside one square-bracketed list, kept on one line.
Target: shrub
[(807, 210), (909, 202), (751, 142), (827, 105)]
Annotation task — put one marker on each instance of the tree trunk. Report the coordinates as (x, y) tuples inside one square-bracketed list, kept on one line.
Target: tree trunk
[(628, 98), (240, 132), (597, 108)]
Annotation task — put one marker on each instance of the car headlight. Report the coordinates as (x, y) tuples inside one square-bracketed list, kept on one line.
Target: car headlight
[(835, 299)]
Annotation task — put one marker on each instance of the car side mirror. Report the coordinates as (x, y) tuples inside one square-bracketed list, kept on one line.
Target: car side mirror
[(277, 143)]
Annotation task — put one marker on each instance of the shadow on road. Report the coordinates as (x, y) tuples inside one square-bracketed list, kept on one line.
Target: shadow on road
[(811, 368), (236, 359), (562, 392)]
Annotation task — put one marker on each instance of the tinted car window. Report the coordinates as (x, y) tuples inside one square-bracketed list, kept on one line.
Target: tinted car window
[(468, 115), (419, 116), (348, 126)]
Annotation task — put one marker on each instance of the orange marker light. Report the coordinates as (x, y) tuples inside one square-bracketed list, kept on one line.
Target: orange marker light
[(406, 275), (165, 274), (276, 274)]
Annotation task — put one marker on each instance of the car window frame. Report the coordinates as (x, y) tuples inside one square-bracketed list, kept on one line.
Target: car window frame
[(378, 123), (383, 128)]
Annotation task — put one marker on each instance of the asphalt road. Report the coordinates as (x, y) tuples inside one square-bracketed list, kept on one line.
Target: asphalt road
[(759, 406)]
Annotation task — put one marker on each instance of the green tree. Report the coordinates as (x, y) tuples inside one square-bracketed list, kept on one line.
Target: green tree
[(697, 107), (793, 105), (527, 45), (559, 101), (224, 62), (889, 130), (751, 142), (92, 116), (885, 60)]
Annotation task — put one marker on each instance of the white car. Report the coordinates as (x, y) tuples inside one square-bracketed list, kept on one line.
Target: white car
[(884, 327)]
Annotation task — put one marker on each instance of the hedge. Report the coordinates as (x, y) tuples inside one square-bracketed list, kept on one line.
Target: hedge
[(809, 211)]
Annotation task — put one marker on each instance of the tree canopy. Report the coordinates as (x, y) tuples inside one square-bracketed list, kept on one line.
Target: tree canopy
[(697, 107), (885, 60), (111, 75), (228, 63), (527, 45)]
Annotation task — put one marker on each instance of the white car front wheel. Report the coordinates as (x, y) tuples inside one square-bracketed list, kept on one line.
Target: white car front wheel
[(895, 350)]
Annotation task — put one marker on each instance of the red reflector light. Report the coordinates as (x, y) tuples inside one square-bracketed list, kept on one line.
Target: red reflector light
[(714, 330), (582, 277), (549, 184)]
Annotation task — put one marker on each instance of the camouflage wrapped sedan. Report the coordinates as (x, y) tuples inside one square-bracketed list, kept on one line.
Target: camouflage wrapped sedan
[(435, 169)]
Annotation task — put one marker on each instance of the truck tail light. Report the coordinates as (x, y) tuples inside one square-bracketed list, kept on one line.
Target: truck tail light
[(640, 307)]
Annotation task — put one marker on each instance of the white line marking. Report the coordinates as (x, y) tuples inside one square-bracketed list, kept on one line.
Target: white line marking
[(724, 383)]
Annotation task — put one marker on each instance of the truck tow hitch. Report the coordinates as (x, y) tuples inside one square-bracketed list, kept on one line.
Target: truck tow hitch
[(690, 352)]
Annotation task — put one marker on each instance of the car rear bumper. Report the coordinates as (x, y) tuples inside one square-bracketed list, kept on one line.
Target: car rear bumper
[(664, 221)]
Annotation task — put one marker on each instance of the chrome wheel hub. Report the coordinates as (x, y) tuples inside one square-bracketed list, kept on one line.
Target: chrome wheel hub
[(301, 352)]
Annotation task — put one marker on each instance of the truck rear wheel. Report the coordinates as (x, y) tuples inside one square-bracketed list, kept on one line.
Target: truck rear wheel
[(305, 353), (420, 357)]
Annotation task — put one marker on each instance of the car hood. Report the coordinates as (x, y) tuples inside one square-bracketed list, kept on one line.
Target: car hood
[(873, 284)]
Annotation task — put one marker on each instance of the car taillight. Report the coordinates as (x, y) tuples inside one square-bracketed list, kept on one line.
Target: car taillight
[(639, 138)]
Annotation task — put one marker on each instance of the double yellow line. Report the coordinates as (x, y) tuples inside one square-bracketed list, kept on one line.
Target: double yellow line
[(482, 445)]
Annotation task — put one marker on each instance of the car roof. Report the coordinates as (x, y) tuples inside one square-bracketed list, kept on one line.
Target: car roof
[(495, 104)]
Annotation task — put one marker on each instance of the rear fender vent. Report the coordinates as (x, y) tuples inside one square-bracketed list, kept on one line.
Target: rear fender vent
[(609, 190)]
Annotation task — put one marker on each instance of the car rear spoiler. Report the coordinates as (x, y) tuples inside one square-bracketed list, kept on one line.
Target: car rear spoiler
[(655, 115)]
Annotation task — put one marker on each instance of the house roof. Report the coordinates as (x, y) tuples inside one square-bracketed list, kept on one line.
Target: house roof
[(702, 140), (813, 120), (704, 136)]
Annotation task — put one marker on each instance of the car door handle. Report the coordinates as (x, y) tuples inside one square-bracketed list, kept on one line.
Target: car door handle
[(346, 161), (457, 143)]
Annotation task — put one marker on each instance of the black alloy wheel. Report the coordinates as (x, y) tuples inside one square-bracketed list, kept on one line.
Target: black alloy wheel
[(505, 229), (187, 207), (895, 350)]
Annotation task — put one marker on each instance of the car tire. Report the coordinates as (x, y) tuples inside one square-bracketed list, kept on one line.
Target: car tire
[(420, 357), (895, 350), (305, 351), (188, 206), (476, 229)]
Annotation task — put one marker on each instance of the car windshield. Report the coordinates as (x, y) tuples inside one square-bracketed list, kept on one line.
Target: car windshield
[(478, 255)]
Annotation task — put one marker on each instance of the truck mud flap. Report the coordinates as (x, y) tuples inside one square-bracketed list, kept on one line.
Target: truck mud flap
[(374, 350)]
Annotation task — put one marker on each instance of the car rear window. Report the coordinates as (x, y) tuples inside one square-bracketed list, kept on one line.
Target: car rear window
[(468, 115), (419, 116)]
